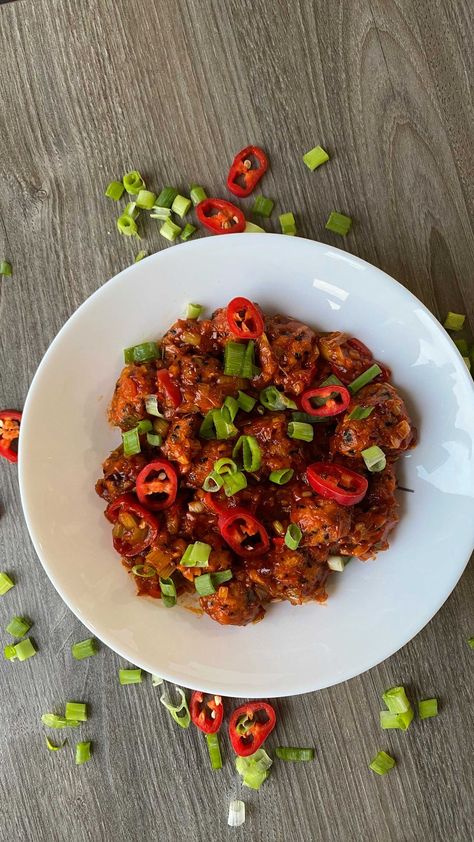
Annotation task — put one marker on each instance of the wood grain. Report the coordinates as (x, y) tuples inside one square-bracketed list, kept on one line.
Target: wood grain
[(89, 90)]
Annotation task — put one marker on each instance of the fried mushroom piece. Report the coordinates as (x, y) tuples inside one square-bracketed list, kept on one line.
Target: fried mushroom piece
[(294, 575), (388, 425), (347, 357), (373, 518), (181, 444), (120, 474), (127, 406), (288, 352), (233, 604), (321, 521)]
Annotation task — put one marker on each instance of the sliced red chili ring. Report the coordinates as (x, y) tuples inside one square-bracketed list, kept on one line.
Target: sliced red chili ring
[(10, 421), (216, 504), (157, 485), (220, 216), (249, 727), (244, 319), (327, 397), (337, 483), (244, 534), (207, 714), (169, 387), (247, 168), (134, 537)]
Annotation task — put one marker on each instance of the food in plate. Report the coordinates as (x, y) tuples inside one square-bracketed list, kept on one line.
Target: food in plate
[(258, 456)]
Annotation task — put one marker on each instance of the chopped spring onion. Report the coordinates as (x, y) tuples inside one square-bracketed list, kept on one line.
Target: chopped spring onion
[(213, 482), (154, 439), (127, 226), (282, 476), (193, 311), (141, 254), (245, 402), (315, 157), (115, 190), (249, 369), (251, 453), (229, 409), (133, 182), (83, 753), (9, 653), (188, 231), (225, 466), (52, 746), (53, 721), (197, 193), (215, 426), (300, 430), (389, 720), (337, 562), (364, 378), (143, 571), (144, 426), (5, 583), (209, 582), (151, 406), (332, 380), (454, 321), (131, 210), (251, 228), (427, 708), (141, 353), (196, 555), (339, 223), (215, 756), (236, 816), (360, 412), (181, 205), (160, 213), (396, 700), (170, 231), (293, 536), (467, 363), (308, 419), (234, 353), (262, 206), (130, 676), (146, 199), (166, 197), (156, 680), (84, 649), (294, 754), (168, 592), (462, 346), (271, 398), (374, 459), (382, 763), (233, 483), (254, 768), (287, 224), (76, 710), (24, 650), (18, 627), (179, 712), (470, 642), (6, 268), (131, 442)]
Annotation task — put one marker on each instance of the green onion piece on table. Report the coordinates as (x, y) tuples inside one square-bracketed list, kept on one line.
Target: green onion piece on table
[(168, 592), (84, 649), (382, 763), (359, 413), (401, 721), (251, 453), (233, 483), (127, 226), (262, 206), (130, 676), (236, 817), (9, 652), (166, 197), (427, 708), (179, 712), (196, 555), (454, 321), (131, 210), (115, 190), (25, 649), (300, 430), (315, 157), (156, 680), (154, 439), (131, 442), (76, 710), (213, 482), (181, 205), (83, 753), (170, 231), (339, 223), (287, 224), (245, 402), (5, 268), (366, 377), (271, 398), (293, 536), (160, 213), (396, 700), (374, 459), (462, 346), (188, 231), (133, 182), (282, 476), (146, 199), (18, 627), (294, 754), (467, 363), (254, 768), (470, 642), (53, 721), (141, 254), (5, 583), (52, 746), (213, 746), (197, 193), (251, 228)]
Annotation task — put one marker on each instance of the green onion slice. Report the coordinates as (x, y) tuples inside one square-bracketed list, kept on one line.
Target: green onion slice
[(146, 199), (18, 627), (197, 193), (127, 226), (131, 210), (236, 817), (130, 676), (309, 419), (271, 398), (83, 753), (170, 231), (77, 711), (229, 409), (389, 720), (300, 430), (462, 346), (287, 224), (293, 536), (234, 353), (25, 649), (84, 649), (251, 228), (262, 206), (254, 768), (233, 483), (294, 754), (315, 157), (160, 213), (215, 756), (251, 453), (53, 721), (115, 190), (225, 466), (52, 746), (168, 592), (131, 442), (396, 700), (144, 426), (151, 406), (188, 231), (359, 413), (382, 763), (6, 268), (207, 583), (9, 652), (133, 182), (154, 439), (5, 583), (337, 562), (215, 426), (180, 712), (143, 571), (166, 197), (156, 680), (364, 378), (196, 555), (249, 369), (181, 205), (245, 402), (454, 321), (193, 311), (141, 254), (213, 482), (470, 642), (282, 476), (374, 459), (427, 708), (142, 353), (339, 223)]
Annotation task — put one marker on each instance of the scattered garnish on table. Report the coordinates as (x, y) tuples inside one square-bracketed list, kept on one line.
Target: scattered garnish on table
[(180, 712), (83, 753), (10, 422), (52, 746), (294, 755), (130, 676), (254, 768), (6, 583), (470, 642), (427, 708), (382, 763), (20, 651), (236, 816), (400, 712), (5, 268)]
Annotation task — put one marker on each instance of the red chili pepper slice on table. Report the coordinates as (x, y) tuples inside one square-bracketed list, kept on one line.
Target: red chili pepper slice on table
[(244, 533), (248, 167), (206, 714), (157, 485), (244, 319), (337, 483), (10, 421), (220, 216), (250, 726), (328, 396), (136, 536), (169, 387)]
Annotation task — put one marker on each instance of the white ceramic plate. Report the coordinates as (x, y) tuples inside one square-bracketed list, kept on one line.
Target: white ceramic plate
[(373, 608)]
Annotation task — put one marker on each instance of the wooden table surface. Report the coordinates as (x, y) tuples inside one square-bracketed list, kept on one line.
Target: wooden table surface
[(88, 91)]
